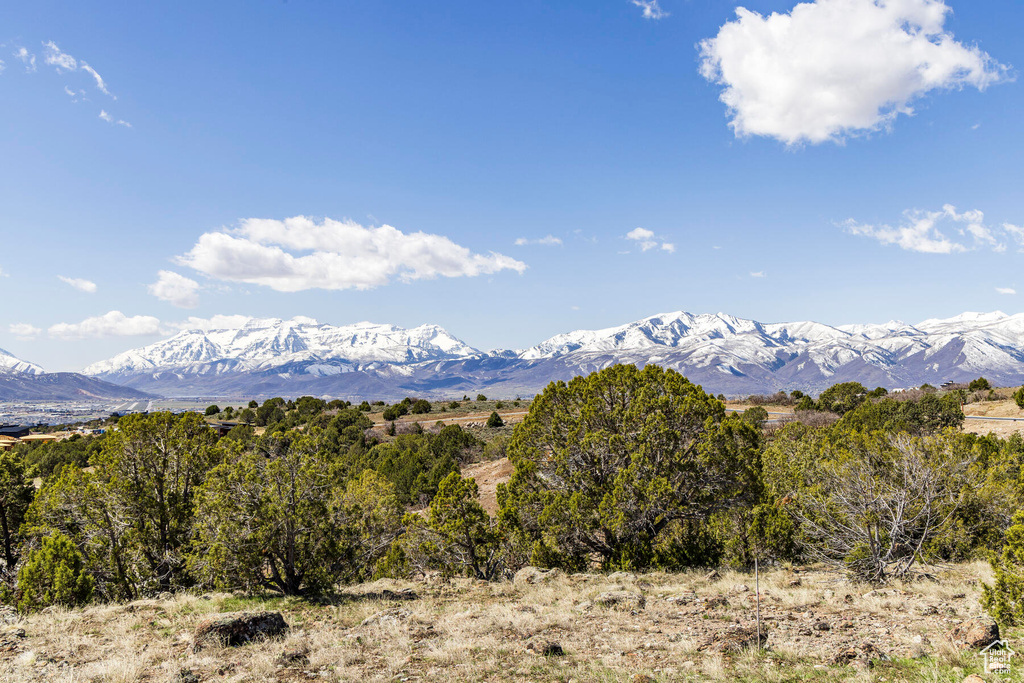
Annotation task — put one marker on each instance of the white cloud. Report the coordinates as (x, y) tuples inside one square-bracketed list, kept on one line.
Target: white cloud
[(99, 79), (643, 237), (175, 289), (647, 240), (926, 232), (24, 331), (1005, 290), (27, 58), (54, 57), (300, 253), (63, 61), (1016, 233), (3, 66), (110, 119), (81, 285), (759, 274), (650, 8), (217, 322), (112, 324), (831, 69), (546, 241)]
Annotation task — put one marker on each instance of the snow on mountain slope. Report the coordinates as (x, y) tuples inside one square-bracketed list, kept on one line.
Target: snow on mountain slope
[(266, 343), (992, 342), (11, 364), (721, 352)]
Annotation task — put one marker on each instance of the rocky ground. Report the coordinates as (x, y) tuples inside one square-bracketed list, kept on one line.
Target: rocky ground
[(540, 627)]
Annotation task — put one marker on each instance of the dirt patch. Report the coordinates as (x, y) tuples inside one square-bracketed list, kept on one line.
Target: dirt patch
[(488, 475)]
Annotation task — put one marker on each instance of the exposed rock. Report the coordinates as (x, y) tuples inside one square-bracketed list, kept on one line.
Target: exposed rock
[(296, 655), (237, 628), (822, 626), (975, 633), (186, 676), (621, 600), (974, 678), (8, 615), (859, 657), (389, 616), (528, 576), (545, 648), (734, 640), (11, 631), (715, 602)]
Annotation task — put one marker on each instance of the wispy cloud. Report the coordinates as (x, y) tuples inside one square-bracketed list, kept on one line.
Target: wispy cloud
[(66, 63), (940, 232), (759, 274), (651, 9), (647, 240), (3, 65), (110, 119), (217, 322), (546, 241), (26, 58), (832, 69), (112, 324), (301, 253), (100, 84), (53, 56), (87, 286), (1005, 290), (24, 331), (175, 289)]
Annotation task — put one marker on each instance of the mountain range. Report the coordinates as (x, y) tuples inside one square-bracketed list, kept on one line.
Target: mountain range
[(24, 381), (723, 353)]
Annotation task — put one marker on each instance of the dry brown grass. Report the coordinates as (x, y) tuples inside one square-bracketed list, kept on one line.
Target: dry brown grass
[(465, 630)]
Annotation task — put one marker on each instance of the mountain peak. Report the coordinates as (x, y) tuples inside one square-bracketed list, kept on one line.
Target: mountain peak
[(11, 364)]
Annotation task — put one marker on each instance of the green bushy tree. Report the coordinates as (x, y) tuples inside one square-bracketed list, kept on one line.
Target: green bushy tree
[(608, 463), (842, 398), (495, 421), (980, 384), (1004, 599), (16, 493), (262, 519), (132, 516), (53, 574), (457, 532)]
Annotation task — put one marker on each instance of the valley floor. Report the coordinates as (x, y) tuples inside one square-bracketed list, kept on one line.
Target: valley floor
[(651, 627)]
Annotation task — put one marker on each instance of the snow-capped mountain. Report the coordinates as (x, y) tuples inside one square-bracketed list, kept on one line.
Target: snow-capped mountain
[(11, 364), (721, 352), (301, 344), (24, 381)]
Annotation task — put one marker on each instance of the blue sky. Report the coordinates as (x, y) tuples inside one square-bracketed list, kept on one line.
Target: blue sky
[(841, 161)]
